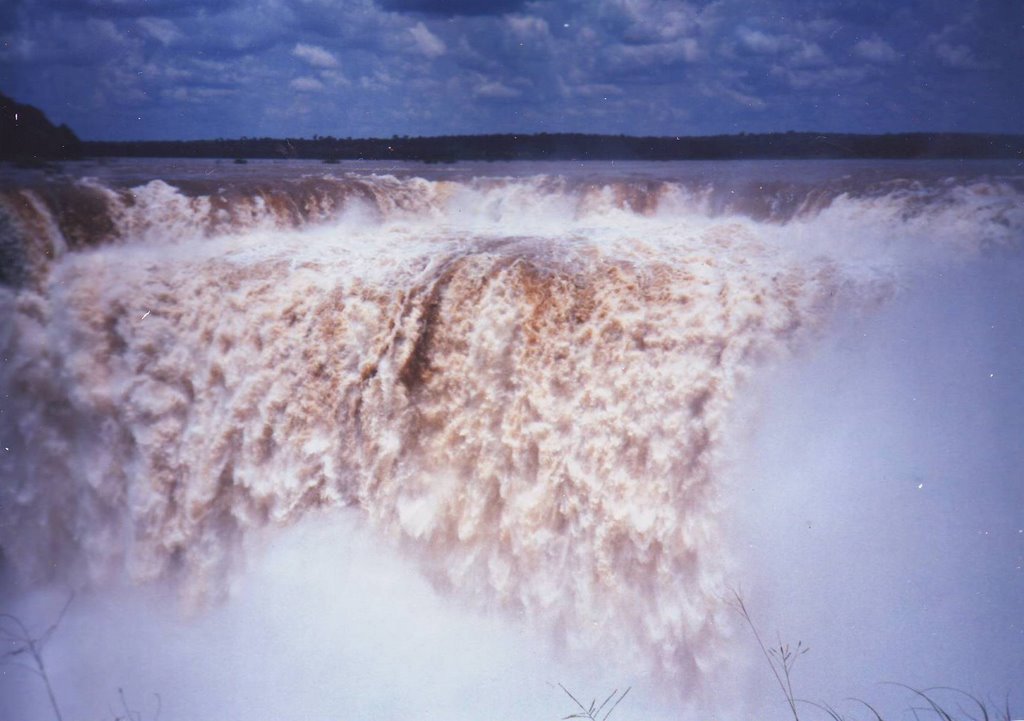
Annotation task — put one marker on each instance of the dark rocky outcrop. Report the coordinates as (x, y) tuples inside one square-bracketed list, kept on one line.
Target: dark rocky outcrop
[(26, 135)]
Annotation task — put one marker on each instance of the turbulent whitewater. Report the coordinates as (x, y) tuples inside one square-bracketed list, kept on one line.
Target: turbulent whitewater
[(524, 377)]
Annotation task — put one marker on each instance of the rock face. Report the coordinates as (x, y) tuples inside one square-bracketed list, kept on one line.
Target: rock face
[(27, 134)]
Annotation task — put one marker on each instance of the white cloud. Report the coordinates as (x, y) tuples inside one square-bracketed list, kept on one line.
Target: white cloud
[(737, 96), (123, 85), (594, 90), (808, 54), (952, 52), (759, 42), (495, 89), (638, 56), (794, 50), (957, 56), (166, 72), (875, 50), (426, 42), (527, 26), (16, 48), (654, 21), (163, 30), (106, 31), (335, 77), (689, 49), (306, 84), (315, 55), (832, 77), (196, 94), (380, 80)]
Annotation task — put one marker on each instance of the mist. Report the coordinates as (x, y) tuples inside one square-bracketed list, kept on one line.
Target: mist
[(420, 465), (328, 621), (879, 495)]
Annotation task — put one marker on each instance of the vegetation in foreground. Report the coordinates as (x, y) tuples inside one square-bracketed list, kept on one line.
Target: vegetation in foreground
[(781, 659), (20, 647)]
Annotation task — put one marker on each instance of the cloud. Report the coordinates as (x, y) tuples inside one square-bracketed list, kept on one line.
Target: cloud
[(958, 56), (426, 42), (161, 29), (799, 51), (954, 45), (651, 21), (129, 8), (17, 48), (524, 27), (378, 80), (495, 90), (315, 55), (306, 84), (454, 7), (594, 90), (196, 94), (759, 42), (808, 54), (335, 77), (440, 66), (822, 78), (875, 50), (166, 72), (641, 56), (739, 97)]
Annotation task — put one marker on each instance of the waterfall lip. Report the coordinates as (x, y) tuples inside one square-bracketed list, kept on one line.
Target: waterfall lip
[(936, 204)]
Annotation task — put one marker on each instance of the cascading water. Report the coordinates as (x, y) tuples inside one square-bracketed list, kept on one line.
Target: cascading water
[(527, 383)]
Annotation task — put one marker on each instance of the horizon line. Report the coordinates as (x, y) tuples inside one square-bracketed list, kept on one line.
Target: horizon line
[(680, 137)]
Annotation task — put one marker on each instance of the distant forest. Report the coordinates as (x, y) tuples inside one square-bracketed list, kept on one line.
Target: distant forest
[(26, 135), (579, 146)]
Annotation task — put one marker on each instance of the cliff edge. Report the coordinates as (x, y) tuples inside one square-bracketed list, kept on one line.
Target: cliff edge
[(26, 134)]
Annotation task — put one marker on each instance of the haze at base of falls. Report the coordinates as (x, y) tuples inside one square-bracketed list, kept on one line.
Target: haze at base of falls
[(326, 622), (878, 498)]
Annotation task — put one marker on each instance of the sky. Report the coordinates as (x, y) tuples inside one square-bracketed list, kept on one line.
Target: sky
[(183, 69)]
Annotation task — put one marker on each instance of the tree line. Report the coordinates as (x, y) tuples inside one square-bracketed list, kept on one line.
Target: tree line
[(27, 135), (579, 146)]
